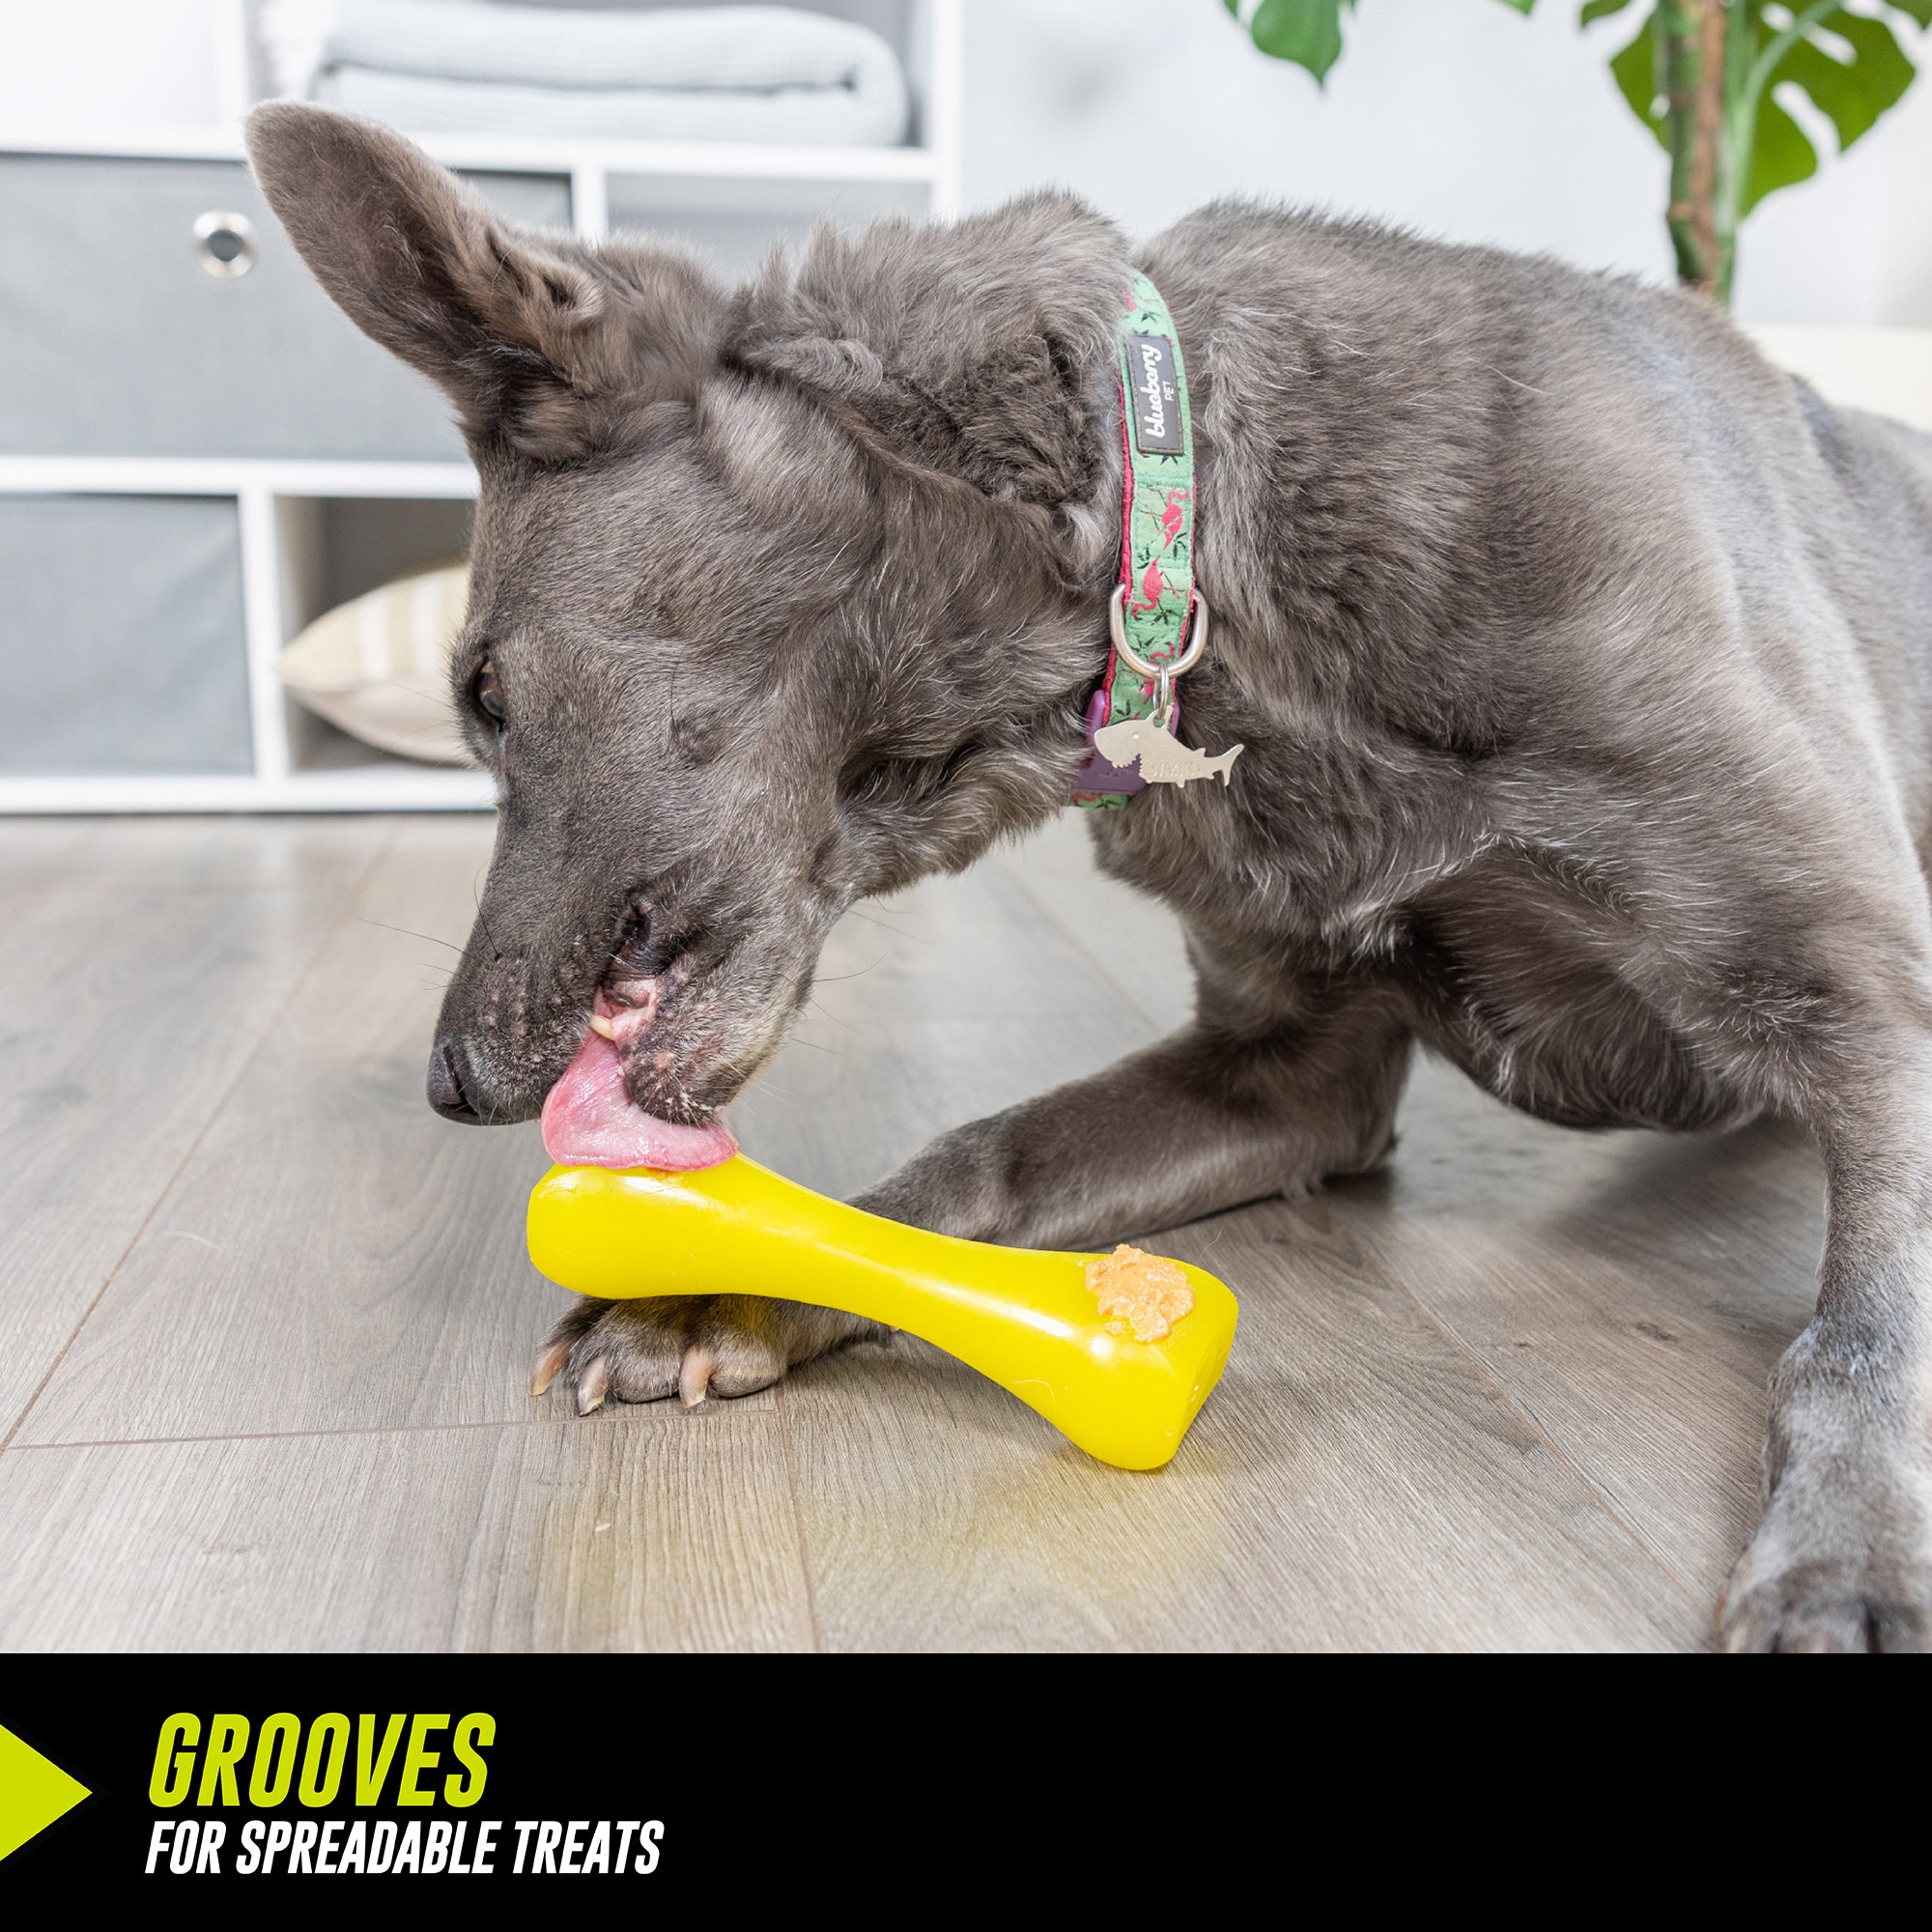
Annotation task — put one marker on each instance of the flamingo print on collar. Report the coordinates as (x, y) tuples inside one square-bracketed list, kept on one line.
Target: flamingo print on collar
[(1158, 595)]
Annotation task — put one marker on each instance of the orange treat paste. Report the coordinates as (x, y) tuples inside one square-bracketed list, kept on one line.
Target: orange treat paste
[(1147, 1294)]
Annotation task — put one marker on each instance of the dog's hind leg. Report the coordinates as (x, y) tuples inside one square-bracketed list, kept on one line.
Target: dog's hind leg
[(1214, 1115)]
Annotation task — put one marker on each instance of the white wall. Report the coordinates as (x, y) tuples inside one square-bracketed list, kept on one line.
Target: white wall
[(1454, 116), (112, 62)]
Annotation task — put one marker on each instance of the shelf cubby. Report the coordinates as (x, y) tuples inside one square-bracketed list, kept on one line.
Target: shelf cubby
[(298, 527)]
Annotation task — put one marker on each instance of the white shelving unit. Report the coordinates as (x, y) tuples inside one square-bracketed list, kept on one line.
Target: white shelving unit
[(746, 182), (272, 614)]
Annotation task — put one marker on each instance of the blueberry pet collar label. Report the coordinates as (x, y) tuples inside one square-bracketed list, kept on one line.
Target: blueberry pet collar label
[(1157, 396)]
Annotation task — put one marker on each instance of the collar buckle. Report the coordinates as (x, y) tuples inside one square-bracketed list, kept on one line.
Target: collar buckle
[(1163, 671)]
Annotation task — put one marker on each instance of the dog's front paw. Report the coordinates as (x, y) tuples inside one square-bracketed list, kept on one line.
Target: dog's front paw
[(1838, 1564), (687, 1346)]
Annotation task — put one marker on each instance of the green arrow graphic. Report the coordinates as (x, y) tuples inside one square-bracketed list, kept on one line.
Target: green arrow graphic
[(34, 1791)]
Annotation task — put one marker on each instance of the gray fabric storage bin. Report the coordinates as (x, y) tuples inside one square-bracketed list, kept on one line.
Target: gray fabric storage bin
[(116, 341), (122, 647)]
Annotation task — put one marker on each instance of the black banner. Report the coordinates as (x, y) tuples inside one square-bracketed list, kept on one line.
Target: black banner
[(641, 1777)]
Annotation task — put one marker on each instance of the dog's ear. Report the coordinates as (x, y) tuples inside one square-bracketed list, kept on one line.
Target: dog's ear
[(983, 351), (539, 340)]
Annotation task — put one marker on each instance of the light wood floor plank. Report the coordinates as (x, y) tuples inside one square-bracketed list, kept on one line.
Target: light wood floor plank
[(334, 1255), (35, 854), (1631, 1291), (1352, 1484), (1132, 942), (935, 1008), (654, 1530), (840, 1119), (1508, 1395), (140, 964)]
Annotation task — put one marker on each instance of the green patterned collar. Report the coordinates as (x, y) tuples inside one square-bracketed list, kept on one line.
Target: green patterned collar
[(1134, 705)]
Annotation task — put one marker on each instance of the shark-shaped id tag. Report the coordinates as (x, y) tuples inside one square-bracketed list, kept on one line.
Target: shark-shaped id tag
[(1164, 760)]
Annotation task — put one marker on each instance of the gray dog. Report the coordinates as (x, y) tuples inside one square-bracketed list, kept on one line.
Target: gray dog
[(1580, 657)]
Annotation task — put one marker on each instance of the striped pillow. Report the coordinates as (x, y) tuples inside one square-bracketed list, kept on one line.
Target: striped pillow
[(378, 666)]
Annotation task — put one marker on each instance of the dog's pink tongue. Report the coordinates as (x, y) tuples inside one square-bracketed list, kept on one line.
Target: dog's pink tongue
[(590, 1121)]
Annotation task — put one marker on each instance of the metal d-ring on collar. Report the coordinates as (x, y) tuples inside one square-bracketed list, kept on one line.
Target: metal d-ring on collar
[(1163, 674)]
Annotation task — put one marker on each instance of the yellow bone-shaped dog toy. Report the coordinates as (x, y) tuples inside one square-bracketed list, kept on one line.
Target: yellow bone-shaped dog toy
[(1025, 1317)]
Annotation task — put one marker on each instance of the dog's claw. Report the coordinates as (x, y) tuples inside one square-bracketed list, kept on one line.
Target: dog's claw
[(694, 1375), (698, 1348), (592, 1383), (550, 1365)]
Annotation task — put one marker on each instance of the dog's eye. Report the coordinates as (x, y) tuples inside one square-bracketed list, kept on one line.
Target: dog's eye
[(489, 692)]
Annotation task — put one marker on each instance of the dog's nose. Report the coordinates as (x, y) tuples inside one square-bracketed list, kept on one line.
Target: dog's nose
[(445, 1084)]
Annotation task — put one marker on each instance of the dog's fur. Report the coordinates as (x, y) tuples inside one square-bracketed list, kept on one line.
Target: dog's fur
[(1581, 659)]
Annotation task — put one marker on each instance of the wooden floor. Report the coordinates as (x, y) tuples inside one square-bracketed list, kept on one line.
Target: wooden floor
[(264, 1320)]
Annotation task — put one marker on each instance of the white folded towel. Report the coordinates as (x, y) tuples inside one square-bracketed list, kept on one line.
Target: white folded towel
[(784, 116), (775, 73)]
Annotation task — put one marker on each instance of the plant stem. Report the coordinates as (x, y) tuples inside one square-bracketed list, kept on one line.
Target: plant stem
[(1694, 45), (1707, 130), (1677, 38)]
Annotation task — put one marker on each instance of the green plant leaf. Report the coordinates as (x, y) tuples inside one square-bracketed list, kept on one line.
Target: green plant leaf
[(1602, 10), (1635, 73), (1919, 10), (1306, 32), (1521, 6), (1782, 155), (1850, 94)]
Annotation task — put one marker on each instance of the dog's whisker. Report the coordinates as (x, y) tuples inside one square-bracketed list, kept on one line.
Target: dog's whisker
[(898, 932), (835, 979), (408, 932), (819, 1007)]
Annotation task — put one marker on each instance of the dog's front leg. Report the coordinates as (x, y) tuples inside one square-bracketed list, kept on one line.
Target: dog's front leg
[(687, 1346), (1843, 1559), (1203, 1121)]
